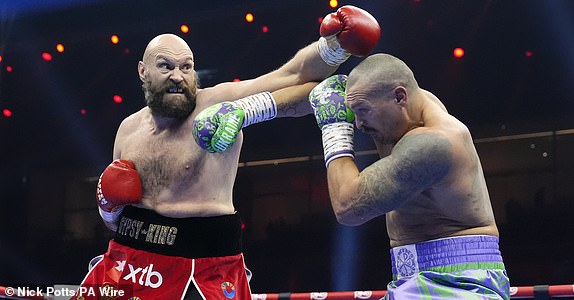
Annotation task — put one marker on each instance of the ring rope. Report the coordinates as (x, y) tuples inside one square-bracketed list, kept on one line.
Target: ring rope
[(516, 292)]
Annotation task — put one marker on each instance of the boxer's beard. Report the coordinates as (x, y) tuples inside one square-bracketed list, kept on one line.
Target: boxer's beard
[(179, 108)]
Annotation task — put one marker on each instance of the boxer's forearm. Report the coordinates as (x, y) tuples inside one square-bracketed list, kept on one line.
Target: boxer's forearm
[(293, 101), (343, 178), (216, 128), (307, 65)]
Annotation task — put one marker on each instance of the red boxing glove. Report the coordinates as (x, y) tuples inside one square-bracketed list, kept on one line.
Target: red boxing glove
[(119, 185), (348, 31)]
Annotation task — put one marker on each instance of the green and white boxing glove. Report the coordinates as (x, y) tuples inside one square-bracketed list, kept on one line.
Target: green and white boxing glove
[(333, 117), (215, 129)]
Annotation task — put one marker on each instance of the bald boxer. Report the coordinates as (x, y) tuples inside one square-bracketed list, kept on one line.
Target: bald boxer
[(428, 182), (168, 192)]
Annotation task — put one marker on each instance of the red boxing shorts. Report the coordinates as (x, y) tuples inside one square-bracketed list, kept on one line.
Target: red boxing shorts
[(156, 257)]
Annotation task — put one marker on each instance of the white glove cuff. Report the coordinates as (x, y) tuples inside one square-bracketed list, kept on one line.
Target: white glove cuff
[(331, 52), (111, 216), (338, 141), (258, 108)]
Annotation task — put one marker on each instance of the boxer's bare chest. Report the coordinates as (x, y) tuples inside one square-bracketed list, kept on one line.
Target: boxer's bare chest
[(165, 159)]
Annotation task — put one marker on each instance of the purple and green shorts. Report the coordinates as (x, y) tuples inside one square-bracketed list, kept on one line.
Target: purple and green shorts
[(465, 267)]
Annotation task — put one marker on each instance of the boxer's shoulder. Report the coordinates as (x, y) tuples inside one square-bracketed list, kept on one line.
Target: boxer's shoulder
[(135, 119), (231, 91), (213, 95)]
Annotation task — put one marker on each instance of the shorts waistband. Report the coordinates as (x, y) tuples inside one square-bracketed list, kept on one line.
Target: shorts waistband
[(447, 255), (193, 237)]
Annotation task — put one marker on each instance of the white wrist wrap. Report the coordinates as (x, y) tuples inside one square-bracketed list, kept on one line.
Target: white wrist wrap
[(338, 141), (258, 108), (112, 216), (331, 52)]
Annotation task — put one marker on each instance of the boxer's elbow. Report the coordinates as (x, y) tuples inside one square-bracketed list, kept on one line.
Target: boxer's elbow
[(349, 218), (345, 197), (347, 213)]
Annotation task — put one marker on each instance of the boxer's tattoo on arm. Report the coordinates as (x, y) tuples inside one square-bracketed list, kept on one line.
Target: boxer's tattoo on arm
[(287, 110), (417, 162)]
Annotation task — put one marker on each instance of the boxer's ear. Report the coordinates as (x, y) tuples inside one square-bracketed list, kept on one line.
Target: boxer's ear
[(400, 95), (141, 70)]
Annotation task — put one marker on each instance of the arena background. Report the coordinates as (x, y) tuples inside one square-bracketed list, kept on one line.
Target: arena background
[(513, 89)]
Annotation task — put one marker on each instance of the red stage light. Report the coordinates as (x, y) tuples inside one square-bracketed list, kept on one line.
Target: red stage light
[(0, 58), (60, 48), (249, 17), (46, 56), (236, 79), (458, 52), (115, 39), (83, 111), (118, 99), (7, 113), (8, 69), (265, 29), (528, 53)]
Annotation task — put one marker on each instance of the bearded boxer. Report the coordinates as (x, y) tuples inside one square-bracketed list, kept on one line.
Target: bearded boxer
[(428, 182), (168, 192)]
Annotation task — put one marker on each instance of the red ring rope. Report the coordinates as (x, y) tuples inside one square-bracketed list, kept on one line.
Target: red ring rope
[(516, 292)]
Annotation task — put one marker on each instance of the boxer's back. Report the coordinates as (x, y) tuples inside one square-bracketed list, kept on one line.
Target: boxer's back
[(459, 204)]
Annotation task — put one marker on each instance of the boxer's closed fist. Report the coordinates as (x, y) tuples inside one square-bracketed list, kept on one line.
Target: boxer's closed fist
[(119, 185), (216, 128), (348, 31), (333, 117)]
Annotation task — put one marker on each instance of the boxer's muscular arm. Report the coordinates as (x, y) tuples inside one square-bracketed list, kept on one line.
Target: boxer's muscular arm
[(116, 155), (293, 101), (118, 142), (124, 129), (216, 128), (417, 162), (127, 126), (348, 31), (305, 66)]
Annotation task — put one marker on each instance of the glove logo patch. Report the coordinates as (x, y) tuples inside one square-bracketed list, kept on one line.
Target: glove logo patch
[(101, 199)]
